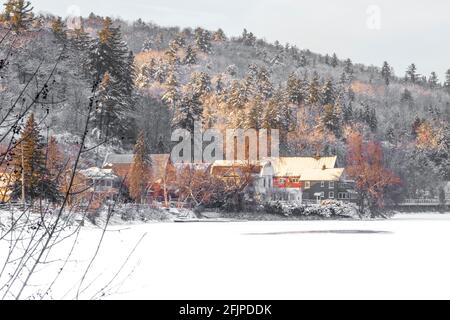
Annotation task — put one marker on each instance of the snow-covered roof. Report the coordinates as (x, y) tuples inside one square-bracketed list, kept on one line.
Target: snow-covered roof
[(240, 163), (112, 159), (296, 166), (321, 175), (97, 173)]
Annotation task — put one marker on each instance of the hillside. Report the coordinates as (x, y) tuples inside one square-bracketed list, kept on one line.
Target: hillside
[(174, 77)]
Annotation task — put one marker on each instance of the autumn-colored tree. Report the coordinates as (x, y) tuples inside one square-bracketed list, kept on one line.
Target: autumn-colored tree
[(365, 166), (17, 15), (140, 171), (58, 29), (31, 176)]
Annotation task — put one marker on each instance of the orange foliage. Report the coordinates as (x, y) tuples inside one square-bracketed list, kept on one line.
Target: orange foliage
[(365, 166)]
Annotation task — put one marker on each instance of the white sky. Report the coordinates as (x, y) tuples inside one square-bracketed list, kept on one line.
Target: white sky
[(410, 31)]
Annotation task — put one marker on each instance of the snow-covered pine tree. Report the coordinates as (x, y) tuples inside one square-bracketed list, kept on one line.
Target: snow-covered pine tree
[(114, 65), (331, 119), (189, 110), (348, 67), (191, 56), (411, 74), (447, 81), (433, 80), (147, 46), (328, 94), (172, 53), (237, 95), (334, 61), (80, 40), (171, 95), (314, 90), (203, 40), (263, 83), (180, 40), (386, 73), (294, 90), (200, 84)]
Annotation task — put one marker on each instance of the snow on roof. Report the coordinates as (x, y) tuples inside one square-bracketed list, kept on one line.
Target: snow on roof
[(112, 159), (97, 173), (321, 175), (296, 166), (232, 163)]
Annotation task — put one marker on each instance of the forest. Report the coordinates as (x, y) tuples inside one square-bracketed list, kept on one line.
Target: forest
[(136, 79)]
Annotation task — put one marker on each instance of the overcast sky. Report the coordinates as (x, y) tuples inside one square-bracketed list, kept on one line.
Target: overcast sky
[(370, 32)]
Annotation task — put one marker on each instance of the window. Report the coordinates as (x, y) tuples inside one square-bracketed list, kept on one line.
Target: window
[(282, 181), (322, 184), (331, 195), (308, 185), (331, 184), (264, 183), (322, 194)]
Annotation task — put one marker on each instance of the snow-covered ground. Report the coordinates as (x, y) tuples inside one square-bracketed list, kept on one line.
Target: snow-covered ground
[(406, 257)]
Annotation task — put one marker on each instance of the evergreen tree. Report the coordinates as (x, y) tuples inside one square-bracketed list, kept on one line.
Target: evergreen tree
[(18, 14), (447, 81), (189, 111), (334, 60), (80, 40), (328, 94), (314, 90), (253, 119), (303, 62), (171, 95), (331, 119), (248, 38), (200, 84), (294, 90), (264, 86), (140, 170), (180, 40), (219, 36), (171, 53), (237, 95), (348, 66), (411, 73), (406, 97), (203, 40), (219, 88), (59, 29), (190, 57), (386, 73), (433, 81), (29, 160), (110, 109), (327, 59), (114, 65), (147, 46), (109, 52)]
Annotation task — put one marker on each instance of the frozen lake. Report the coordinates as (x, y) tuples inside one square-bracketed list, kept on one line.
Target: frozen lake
[(406, 257)]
